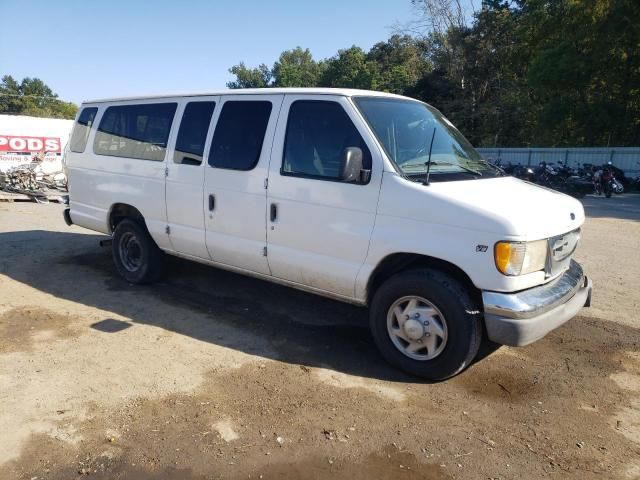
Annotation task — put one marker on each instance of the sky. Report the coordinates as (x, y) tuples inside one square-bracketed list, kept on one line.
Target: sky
[(95, 49)]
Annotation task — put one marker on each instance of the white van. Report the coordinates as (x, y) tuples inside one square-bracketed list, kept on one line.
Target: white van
[(366, 197)]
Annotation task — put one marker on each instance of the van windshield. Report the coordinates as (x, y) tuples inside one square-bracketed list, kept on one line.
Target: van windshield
[(405, 129)]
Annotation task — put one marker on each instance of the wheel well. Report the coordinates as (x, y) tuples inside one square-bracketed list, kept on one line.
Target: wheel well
[(398, 262), (120, 211)]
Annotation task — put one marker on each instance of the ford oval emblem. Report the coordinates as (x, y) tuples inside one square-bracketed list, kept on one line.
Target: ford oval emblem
[(573, 216)]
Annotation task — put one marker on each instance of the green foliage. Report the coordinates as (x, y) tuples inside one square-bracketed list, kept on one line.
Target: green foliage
[(478, 80), (32, 97), (398, 64), (250, 77), (585, 71), (393, 66), (297, 68), (520, 73), (348, 69)]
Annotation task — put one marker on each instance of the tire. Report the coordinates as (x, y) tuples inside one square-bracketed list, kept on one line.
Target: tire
[(456, 315), (136, 256)]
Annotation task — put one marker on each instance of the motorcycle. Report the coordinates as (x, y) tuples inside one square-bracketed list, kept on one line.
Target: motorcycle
[(524, 172), (606, 182), (563, 180), (618, 188), (571, 181)]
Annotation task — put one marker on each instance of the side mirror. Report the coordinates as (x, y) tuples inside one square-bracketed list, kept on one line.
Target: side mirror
[(351, 169)]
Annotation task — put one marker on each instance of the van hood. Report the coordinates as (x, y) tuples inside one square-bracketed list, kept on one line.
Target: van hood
[(506, 206)]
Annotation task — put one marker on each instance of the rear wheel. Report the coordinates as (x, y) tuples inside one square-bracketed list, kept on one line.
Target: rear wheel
[(136, 256), (425, 323)]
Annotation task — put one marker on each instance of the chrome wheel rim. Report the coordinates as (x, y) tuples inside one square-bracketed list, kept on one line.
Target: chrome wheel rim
[(417, 328), (130, 252)]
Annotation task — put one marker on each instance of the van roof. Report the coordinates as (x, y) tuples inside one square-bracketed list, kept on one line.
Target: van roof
[(348, 92)]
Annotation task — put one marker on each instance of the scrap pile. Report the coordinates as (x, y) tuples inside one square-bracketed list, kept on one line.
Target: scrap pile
[(28, 179)]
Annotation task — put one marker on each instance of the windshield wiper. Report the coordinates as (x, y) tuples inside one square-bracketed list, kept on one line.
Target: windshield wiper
[(434, 162), (422, 173), (499, 170), (470, 170)]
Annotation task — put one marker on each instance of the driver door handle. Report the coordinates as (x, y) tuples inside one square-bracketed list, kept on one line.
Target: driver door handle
[(212, 202), (273, 212)]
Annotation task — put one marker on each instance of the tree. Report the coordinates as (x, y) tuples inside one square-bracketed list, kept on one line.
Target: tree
[(475, 68), (585, 71), (348, 69), (11, 100), (32, 97), (296, 68), (438, 16), (250, 77), (514, 73), (398, 64)]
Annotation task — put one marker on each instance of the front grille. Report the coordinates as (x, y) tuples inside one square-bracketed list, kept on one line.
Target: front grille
[(561, 248)]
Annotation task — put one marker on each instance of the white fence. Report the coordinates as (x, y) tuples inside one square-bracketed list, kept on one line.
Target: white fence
[(625, 158)]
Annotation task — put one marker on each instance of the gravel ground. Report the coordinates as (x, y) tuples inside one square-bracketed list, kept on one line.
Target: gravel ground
[(212, 375)]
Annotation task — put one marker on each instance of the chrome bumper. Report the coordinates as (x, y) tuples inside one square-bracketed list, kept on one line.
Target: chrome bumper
[(521, 318)]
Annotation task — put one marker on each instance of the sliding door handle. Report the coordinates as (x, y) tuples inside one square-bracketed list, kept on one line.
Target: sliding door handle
[(212, 202), (273, 212)]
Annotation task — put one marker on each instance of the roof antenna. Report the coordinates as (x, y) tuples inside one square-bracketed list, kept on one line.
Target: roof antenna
[(428, 164)]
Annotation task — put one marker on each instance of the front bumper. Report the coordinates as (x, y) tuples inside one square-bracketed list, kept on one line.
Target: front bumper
[(521, 318)]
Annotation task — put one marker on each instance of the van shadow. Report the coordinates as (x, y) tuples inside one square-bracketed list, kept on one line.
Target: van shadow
[(272, 321)]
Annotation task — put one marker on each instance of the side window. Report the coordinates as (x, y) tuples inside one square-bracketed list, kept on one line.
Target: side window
[(193, 133), (81, 129), (318, 132), (135, 131), (237, 140)]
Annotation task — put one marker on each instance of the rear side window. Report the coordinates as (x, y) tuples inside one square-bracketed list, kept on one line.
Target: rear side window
[(318, 132), (193, 133), (81, 129), (237, 140), (135, 131)]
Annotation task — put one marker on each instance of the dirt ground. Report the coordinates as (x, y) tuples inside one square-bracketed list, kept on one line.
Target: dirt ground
[(211, 375)]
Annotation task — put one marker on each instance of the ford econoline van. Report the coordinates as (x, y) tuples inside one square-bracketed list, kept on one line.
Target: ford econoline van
[(366, 197)]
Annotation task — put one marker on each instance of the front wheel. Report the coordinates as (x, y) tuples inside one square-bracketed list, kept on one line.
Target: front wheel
[(426, 323)]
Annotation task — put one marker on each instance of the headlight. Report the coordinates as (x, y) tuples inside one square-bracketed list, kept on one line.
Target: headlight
[(519, 258)]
